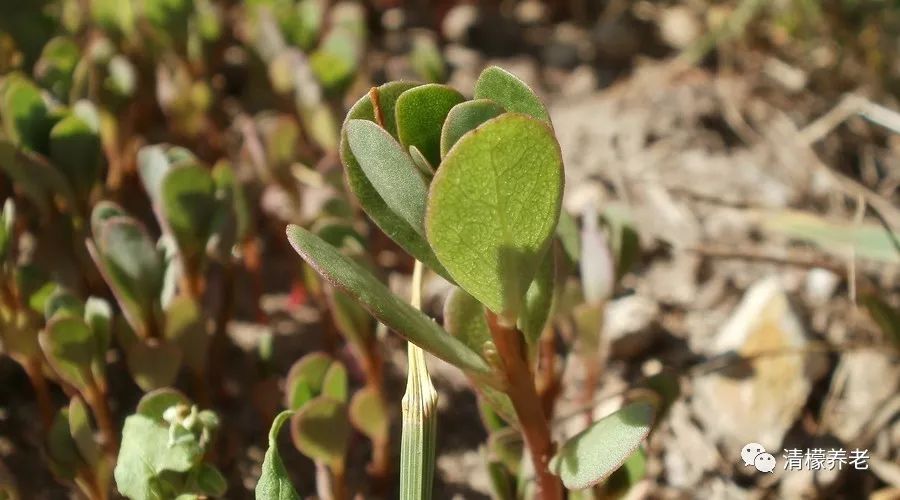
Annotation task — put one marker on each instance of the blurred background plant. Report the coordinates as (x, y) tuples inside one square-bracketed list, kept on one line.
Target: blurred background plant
[(152, 152)]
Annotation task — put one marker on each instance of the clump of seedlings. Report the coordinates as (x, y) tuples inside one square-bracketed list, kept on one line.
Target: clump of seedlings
[(472, 190)]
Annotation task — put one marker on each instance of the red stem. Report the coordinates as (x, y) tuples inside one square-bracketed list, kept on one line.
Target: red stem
[(510, 344)]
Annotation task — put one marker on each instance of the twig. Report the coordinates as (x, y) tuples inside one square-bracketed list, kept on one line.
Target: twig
[(758, 254), (888, 214), (850, 105)]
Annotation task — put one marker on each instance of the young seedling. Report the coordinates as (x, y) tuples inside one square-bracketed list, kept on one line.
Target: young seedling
[(161, 330), (316, 395), (74, 341), (485, 221), (73, 454), (317, 390), (602, 261), (368, 406), (163, 449)]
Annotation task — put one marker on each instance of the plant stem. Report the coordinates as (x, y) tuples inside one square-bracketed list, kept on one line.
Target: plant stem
[(32, 368), (338, 488), (548, 377), (419, 408), (330, 481), (510, 344), (253, 264), (591, 360), (218, 347), (379, 468), (99, 405)]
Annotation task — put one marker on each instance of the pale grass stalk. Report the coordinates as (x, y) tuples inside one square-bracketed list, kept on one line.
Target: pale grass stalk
[(419, 405)]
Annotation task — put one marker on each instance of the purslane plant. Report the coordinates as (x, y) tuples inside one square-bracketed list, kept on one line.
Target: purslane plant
[(473, 189), (164, 445)]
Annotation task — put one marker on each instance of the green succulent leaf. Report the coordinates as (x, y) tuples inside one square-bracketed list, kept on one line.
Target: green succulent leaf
[(34, 286), (185, 328), (421, 112), (624, 239), (464, 319), (189, 204), (464, 117), (304, 31), (153, 364), (146, 453), (334, 385), (153, 165), (113, 15), (82, 433), (369, 415), (38, 180), (122, 79), (57, 63), (26, 118), (70, 348), (7, 228), (321, 430), (169, 16), (62, 450), (232, 224), (426, 59), (336, 60), (62, 302), (371, 201), (280, 134), (502, 484), (349, 16), (569, 236), (131, 265), (390, 171), (274, 483), (339, 233), (103, 211), (75, 150), (156, 402), (538, 303), (381, 303), (354, 322), (305, 379), (665, 388), (98, 316), (421, 163), (493, 207), (506, 446), (208, 481), (628, 475), (509, 91), (592, 455)]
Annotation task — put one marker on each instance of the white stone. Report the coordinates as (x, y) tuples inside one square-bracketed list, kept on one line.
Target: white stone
[(760, 401)]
